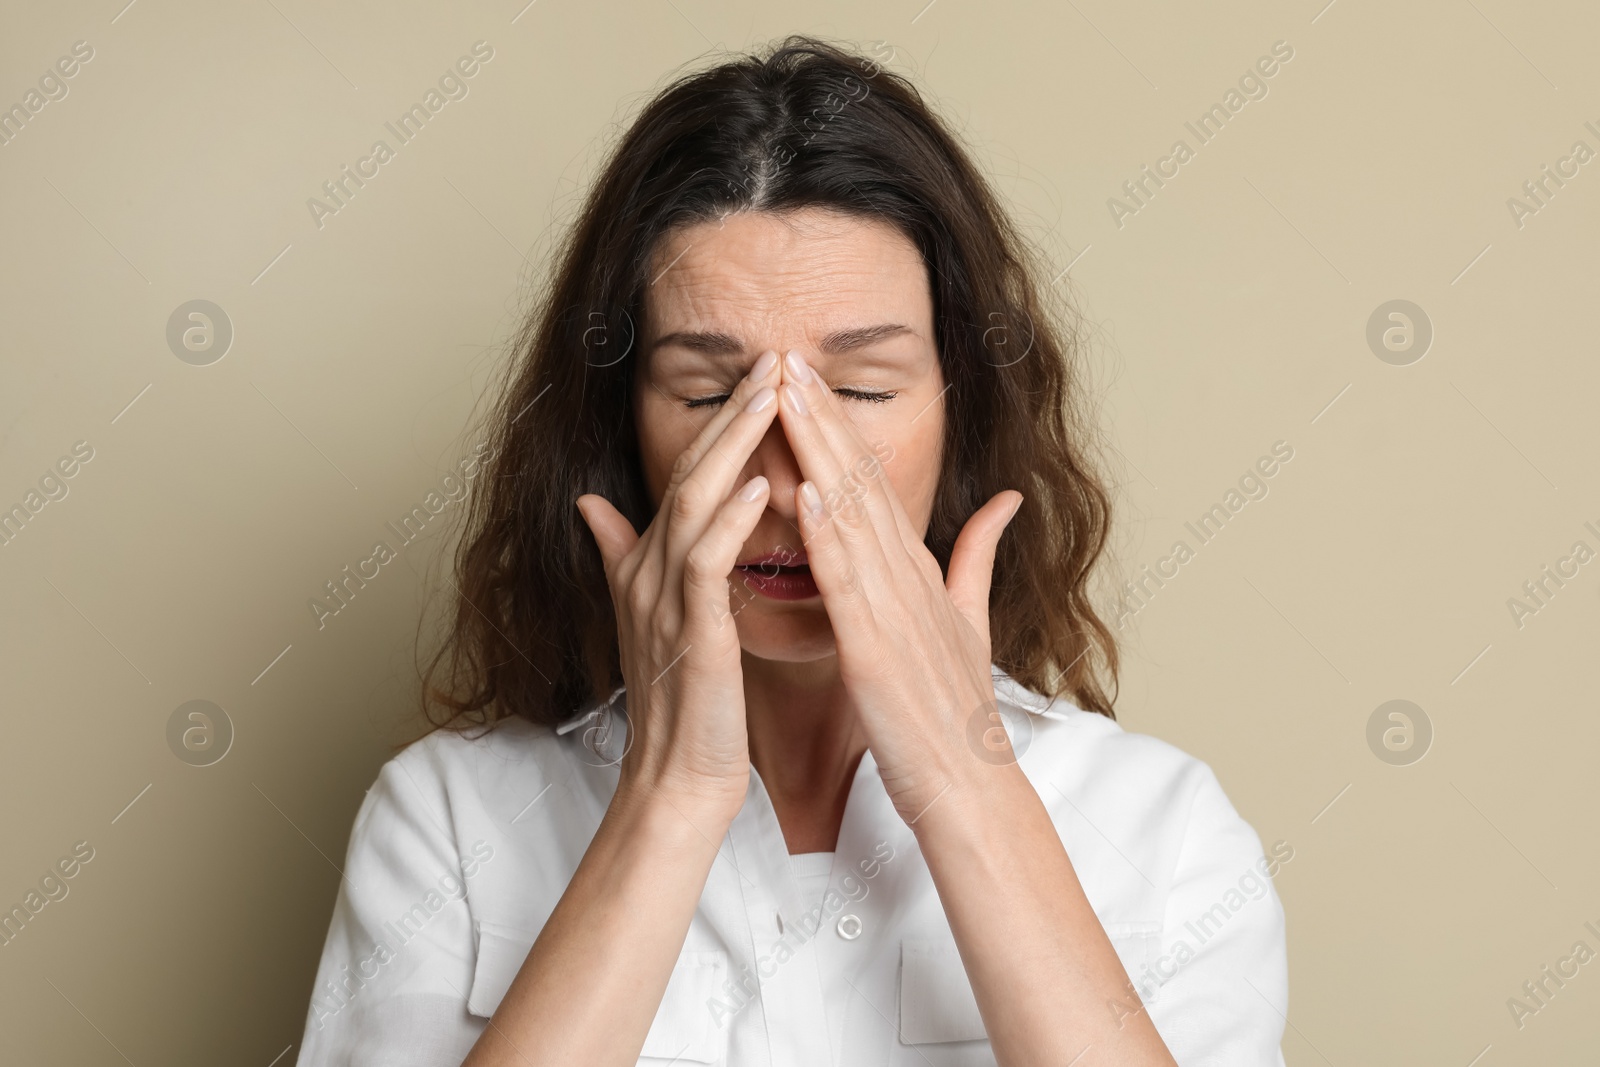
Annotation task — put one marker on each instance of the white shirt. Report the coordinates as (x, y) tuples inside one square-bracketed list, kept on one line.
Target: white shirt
[(463, 847)]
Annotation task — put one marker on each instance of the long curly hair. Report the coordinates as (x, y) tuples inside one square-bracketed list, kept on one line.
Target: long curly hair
[(532, 630)]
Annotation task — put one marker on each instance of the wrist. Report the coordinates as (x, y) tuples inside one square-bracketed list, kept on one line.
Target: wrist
[(972, 801), (669, 813)]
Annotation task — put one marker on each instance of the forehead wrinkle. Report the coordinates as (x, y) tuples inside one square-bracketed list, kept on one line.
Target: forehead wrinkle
[(738, 292), (839, 315), (761, 279)]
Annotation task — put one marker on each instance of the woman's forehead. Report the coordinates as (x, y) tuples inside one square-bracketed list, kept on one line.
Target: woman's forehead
[(755, 272)]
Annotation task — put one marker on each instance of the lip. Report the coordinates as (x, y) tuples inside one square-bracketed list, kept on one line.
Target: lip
[(780, 582)]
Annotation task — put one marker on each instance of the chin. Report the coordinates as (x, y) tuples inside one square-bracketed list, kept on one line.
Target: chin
[(788, 633)]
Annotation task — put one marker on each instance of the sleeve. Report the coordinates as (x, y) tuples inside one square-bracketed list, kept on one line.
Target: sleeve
[(1223, 973), (396, 968)]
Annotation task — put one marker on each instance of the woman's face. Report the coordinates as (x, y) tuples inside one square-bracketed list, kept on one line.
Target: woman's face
[(725, 292)]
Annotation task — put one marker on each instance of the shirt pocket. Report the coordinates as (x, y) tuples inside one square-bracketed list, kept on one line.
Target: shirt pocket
[(1138, 945), (684, 1028), (937, 1004), (501, 951)]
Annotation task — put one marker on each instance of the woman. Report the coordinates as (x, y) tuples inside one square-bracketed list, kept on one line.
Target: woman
[(816, 768)]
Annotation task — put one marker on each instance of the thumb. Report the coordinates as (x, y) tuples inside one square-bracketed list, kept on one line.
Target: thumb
[(972, 559), (613, 533)]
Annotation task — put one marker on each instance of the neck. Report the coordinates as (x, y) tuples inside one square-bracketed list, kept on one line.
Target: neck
[(805, 743)]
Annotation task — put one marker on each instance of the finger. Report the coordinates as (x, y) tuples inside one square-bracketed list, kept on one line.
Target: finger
[(709, 562), (972, 559), (707, 440), (703, 477), (866, 479), (832, 566), (842, 497), (869, 470), (910, 537), (854, 457)]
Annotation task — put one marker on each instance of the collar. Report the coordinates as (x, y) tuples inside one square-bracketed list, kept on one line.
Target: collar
[(1006, 687)]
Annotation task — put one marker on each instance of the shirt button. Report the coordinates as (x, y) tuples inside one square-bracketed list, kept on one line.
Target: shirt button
[(849, 927)]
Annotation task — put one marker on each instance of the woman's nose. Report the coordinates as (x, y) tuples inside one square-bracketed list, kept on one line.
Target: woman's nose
[(775, 459)]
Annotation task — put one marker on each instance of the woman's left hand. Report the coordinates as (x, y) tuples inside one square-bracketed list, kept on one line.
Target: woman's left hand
[(913, 646), (914, 656)]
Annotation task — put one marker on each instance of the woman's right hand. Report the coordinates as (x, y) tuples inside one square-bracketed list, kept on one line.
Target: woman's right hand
[(679, 644)]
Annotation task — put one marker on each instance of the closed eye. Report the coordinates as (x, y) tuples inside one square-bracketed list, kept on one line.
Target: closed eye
[(850, 394)]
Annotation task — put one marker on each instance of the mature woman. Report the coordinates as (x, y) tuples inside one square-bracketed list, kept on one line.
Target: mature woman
[(816, 769)]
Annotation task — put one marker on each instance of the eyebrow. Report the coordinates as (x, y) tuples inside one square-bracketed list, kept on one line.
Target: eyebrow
[(716, 343)]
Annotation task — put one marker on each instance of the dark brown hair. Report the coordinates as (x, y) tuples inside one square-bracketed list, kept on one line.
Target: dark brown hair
[(532, 632)]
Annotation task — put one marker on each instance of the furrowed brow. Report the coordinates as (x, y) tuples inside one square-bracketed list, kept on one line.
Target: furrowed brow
[(716, 343), (712, 343), (861, 336)]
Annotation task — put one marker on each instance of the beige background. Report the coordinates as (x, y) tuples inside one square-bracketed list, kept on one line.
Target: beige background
[(1228, 313)]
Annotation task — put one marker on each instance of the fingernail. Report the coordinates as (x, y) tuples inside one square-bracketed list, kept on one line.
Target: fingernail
[(763, 399), (764, 365), (752, 488), (797, 403), (798, 370), (812, 501)]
